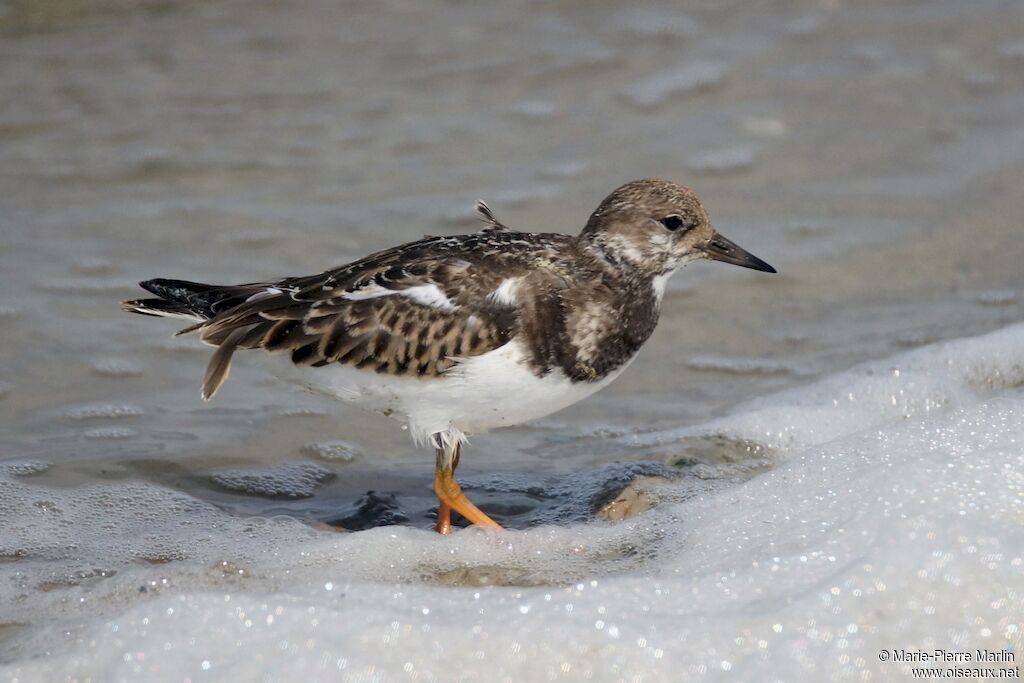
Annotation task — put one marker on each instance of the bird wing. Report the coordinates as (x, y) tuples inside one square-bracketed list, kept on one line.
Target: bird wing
[(413, 310)]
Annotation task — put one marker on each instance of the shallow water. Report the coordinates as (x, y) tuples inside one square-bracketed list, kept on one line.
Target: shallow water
[(872, 151)]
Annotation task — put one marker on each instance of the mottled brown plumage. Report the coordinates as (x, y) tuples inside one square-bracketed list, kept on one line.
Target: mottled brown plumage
[(323, 320), (469, 332), (582, 304)]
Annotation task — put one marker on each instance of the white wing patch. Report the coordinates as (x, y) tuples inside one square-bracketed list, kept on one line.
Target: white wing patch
[(426, 295), (370, 291), (269, 291), (505, 293)]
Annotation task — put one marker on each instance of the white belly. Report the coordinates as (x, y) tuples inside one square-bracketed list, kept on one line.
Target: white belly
[(496, 389)]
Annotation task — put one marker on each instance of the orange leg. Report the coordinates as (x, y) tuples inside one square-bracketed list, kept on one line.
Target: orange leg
[(444, 510), (451, 496), (444, 519)]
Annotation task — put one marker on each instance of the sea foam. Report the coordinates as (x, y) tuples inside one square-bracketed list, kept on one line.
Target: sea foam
[(892, 516)]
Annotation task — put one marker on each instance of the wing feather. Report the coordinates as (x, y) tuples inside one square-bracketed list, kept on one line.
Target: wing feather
[(409, 311)]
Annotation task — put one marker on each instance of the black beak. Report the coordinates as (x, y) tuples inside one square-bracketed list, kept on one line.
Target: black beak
[(719, 248)]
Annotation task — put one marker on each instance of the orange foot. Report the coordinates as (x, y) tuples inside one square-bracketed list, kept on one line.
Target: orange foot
[(451, 498)]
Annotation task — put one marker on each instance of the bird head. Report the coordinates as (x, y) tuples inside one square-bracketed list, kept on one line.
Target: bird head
[(658, 226)]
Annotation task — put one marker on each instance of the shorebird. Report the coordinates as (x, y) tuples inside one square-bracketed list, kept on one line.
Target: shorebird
[(457, 335)]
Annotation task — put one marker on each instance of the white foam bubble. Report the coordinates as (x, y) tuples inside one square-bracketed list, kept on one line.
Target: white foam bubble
[(109, 433), (103, 411), (890, 519), (25, 468), (291, 480), (337, 451)]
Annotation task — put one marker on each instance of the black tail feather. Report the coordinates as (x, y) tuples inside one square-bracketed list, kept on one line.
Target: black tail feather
[(202, 303), (191, 300), (160, 308), (195, 298)]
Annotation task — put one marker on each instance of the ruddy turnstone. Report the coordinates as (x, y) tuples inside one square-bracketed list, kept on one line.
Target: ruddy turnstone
[(458, 335)]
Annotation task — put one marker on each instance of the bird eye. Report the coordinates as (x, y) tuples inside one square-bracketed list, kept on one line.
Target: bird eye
[(673, 222)]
